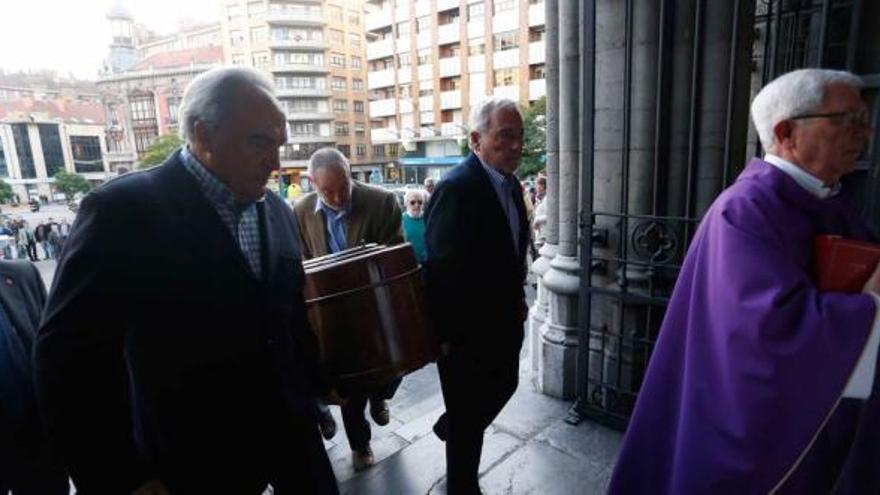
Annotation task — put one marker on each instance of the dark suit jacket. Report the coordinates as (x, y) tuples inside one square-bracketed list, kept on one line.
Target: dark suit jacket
[(374, 217), (474, 275), (22, 296), (160, 354)]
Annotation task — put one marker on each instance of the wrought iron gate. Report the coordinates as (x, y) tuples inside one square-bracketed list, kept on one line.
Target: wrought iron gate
[(638, 214)]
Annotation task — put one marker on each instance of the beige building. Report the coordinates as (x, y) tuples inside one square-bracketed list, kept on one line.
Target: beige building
[(314, 51), (430, 60)]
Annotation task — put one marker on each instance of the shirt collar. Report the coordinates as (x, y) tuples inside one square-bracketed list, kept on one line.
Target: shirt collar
[(216, 190), (496, 176), (812, 184), (321, 205)]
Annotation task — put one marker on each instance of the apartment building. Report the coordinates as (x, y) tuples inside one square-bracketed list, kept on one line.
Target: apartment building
[(430, 61), (314, 51)]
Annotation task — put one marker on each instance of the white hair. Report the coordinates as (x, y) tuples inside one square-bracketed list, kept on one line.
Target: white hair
[(482, 112), (793, 94), (328, 157), (211, 96), (415, 194)]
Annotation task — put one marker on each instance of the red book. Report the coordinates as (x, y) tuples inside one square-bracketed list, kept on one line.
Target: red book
[(844, 265)]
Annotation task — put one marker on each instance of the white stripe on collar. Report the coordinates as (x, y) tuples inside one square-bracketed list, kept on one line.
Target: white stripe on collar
[(812, 184)]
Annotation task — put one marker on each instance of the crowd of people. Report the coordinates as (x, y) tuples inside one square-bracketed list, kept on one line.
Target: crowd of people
[(174, 355), (43, 241)]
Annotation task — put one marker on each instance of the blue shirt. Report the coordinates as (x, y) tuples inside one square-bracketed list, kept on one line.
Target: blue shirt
[(336, 223), (505, 188), (242, 221)]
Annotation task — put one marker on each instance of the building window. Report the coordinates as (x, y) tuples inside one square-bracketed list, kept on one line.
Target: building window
[(258, 34), (402, 29), (337, 59), (505, 77), (359, 129), (340, 105), (425, 92), (507, 41), (345, 149), (476, 46), (260, 59), (173, 103), (86, 154), (423, 24), (354, 40), (354, 17), (303, 129), (450, 83), (424, 56), (392, 150), (342, 129), (504, 5), (238, 59), (404, 90), (143, 109), (300, 151), (300, 82), (51, 144), (302, 105), (357, 84), (297, 34), (536, 35), (403, 60), (355, 62), (335, 13), (336, 36), (379, 150), (236, 38), (4, 169), (23, 149), (361, 149), (476, 11), (537, 72), (337, 84), (143, 138), (358, 106)]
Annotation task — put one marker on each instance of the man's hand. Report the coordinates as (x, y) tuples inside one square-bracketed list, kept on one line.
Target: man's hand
[(873, 283), (334, 398), (152, 487)]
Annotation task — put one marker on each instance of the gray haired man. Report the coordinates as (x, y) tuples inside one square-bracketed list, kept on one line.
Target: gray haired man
[(174, 353)]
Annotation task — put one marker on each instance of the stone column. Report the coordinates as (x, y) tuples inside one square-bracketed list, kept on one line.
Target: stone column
[(550, 231), (557, 360)]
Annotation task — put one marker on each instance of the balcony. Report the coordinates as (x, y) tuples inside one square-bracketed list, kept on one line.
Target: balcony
[(450, 99), (388, 135), (426, 103), (380, 79), (379, 19), (383, 108), (505, 21), (295, 18), (450, 66), (296, 116), (537, 52), (423, 7), (475, 29), (404, 75), (477, 63), (300, 92), (318, 45), (310, 138), (446, 5), (536, 14), (537, 89), (402, 11), (404, 44), (453, 129), (426, 72), (423, 40), (380, 49), (310, 68), (406, 105), (506, 59), (448, 33), (511, 92)]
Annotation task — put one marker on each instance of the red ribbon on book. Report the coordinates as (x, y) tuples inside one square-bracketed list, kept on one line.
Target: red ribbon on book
[(843, 265)]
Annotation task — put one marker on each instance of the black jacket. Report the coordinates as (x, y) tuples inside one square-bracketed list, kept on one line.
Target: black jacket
[(160, 355), (474, 276)]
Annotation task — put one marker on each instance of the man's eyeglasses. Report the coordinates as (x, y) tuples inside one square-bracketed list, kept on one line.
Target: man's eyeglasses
[(851, 119)]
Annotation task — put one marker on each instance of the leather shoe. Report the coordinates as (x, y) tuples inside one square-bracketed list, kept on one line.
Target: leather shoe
[(380, 412), (362, 459), (327, 425)]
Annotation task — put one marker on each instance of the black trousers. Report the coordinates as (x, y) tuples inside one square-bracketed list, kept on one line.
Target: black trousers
[(35, 477), (32, 251), (476, 386), (357, 428)]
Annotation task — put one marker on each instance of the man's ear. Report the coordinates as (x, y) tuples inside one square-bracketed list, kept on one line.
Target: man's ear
[(475, 140), (201, 135), (783, 132)]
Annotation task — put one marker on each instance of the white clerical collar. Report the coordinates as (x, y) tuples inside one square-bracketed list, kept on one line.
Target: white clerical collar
[(812, 184)]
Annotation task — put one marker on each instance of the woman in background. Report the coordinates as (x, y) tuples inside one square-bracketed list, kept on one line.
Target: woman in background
[(414, 222)]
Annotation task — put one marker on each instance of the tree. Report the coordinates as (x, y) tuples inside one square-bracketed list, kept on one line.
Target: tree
[(534, 139), (69, 184), (158, 152), (6, 193)]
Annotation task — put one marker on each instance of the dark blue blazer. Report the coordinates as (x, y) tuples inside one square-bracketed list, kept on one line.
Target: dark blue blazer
[(474, 275), (160, 354)]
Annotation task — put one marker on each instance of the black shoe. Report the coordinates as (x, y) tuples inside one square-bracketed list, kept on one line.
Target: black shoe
[(440, 427), (380, 412), (362, 458), (327, 425)]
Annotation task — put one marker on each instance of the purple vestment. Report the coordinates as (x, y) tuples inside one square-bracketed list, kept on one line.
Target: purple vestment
[(752, 359)]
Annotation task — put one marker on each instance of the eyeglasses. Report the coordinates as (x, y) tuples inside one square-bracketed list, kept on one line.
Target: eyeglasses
[(851, 119), (415, 202)]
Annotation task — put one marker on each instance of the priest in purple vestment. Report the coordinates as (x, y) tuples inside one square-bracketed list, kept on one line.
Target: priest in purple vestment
[(759, 381)]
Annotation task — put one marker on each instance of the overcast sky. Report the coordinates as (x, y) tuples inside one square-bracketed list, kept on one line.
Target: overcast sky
[(72, 36)]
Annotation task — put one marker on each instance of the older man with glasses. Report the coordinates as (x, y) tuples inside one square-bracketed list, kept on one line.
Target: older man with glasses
[(760, 381)]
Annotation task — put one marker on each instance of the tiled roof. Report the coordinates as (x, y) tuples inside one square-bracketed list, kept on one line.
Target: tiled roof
[(181, 58), (69, 111)]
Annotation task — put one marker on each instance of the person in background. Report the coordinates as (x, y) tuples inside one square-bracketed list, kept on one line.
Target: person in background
[(429, 184), (414, 222)]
